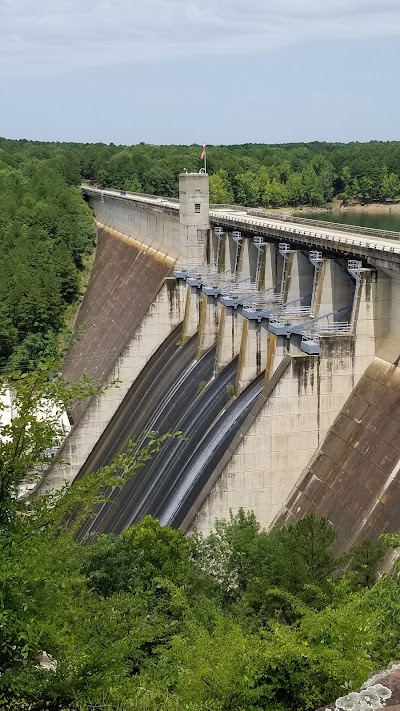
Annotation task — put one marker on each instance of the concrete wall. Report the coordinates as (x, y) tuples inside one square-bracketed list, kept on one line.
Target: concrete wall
[(336, 288), (300, 277), (125, 279), (164, 314), (353, 478), (152, 226), (278, 443)]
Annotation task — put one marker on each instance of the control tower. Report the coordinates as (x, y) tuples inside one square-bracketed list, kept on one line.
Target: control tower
[(194, 217)]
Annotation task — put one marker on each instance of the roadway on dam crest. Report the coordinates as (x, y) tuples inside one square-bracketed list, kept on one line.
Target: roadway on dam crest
[(381, 248)]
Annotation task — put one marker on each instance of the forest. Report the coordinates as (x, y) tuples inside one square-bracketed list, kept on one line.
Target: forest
[(239, 620), (46, 232)]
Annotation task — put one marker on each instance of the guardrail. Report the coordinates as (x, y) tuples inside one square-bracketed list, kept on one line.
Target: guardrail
[(327, 329), (338, 226), (293, 312), (115, 192), (290, 217), (340, 230), (293, 230)]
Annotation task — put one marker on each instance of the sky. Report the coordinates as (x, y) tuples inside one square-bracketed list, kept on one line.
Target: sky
[(184, 71)]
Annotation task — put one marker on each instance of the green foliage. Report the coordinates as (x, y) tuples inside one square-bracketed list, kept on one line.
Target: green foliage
[(230, 391), (220, 190), (365, 559), (45, 229), (152, 619), (46, 600), (132, 561), (140, 621), (244, 562), (254, 174), (29, 439)]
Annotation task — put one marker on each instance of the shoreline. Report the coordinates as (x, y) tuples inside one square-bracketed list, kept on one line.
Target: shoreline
[(372, 208)]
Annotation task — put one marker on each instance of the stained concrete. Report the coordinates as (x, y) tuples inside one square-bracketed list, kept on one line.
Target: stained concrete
[(353, 479), (294, 420), (124, 283)]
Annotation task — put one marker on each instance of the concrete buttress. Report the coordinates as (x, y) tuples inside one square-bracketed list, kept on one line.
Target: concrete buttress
[(229, 337), (192, 313), (209, 322)]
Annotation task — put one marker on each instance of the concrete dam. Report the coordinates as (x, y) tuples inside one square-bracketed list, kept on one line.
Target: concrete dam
[(272, 344)]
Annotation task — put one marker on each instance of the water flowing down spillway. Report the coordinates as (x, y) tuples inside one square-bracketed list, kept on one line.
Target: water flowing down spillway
[(201, 464), (132, 502), (164, 472), (153, 384), (169, 384), (152, 390)]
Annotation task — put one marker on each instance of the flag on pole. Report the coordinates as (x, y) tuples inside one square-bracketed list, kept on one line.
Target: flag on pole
[(203, 152)]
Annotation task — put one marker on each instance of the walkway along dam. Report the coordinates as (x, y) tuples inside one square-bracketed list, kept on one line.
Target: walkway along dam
[(273, 344)]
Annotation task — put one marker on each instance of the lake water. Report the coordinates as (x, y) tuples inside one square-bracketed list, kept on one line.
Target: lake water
[(380, 221)]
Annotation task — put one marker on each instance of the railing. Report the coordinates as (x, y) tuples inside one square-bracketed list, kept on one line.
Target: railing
[(276, 311), (261, 299), (127, 193), (338, 327), (239, 287), (336, 226), (288, 313), (183, 271), (328, 237), (324, 325), (290, 217)]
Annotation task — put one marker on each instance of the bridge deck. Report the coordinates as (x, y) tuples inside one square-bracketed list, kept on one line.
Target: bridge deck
[(381, 248)]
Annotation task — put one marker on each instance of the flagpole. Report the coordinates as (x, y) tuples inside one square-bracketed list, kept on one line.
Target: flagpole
[(205, 157)]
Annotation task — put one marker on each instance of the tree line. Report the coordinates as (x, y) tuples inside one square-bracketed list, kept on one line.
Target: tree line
[(254, 175), (238, 620)]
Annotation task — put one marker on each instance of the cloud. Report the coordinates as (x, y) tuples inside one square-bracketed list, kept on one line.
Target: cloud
[(54, 35)]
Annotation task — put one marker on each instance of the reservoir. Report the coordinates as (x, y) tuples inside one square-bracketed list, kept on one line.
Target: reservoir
[(385, 220)]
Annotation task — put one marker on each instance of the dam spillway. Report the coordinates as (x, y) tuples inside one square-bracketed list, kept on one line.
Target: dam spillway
[(291, 330)]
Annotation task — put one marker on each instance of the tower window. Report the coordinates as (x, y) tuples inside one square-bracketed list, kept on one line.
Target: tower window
[(197, 207)]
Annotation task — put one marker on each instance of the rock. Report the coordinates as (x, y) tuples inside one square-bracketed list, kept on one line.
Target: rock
[(380, 691), (47, 662)]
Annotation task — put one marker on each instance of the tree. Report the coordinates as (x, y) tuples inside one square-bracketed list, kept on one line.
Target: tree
[(295, 189), (364, 561), (278, 194), (390, 186), (142, 554), (220, 189), (44, 596), (247, 189)]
